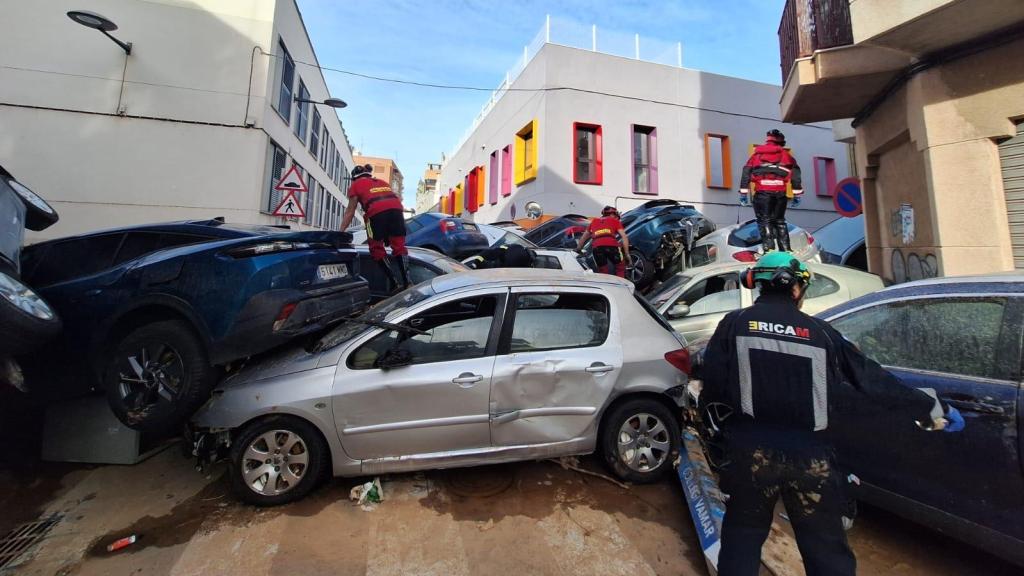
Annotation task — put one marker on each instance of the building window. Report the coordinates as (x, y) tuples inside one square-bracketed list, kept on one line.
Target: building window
[(322, 153), (337, 166), (307, 205), (492, 184), (284, 96), (526, 153), (717, 161), (457, 200), (314, 135), (330, 158), (302, 113), (824, 176), (645, 160), (506, 170), (277, 158), (588, 166)]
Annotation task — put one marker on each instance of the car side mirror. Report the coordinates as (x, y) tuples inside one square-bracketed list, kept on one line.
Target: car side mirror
[(678, 311), (394, 358)]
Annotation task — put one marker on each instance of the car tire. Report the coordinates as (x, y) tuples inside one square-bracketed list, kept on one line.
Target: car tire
[(39, 215), (640, 440), (258, 441), (26, 319), (642, 273), (157, 375)]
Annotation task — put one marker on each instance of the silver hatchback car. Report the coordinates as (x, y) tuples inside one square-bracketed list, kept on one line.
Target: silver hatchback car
[(469, 368)]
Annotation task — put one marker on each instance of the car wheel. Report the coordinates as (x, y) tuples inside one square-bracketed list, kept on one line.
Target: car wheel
[(157, 375), (39, 215), (277, 460), (26, 320), (642, 272), (640, 440)]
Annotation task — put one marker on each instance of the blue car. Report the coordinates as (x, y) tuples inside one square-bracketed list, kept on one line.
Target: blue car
[(453, 237), (151, 313), (961, 337)]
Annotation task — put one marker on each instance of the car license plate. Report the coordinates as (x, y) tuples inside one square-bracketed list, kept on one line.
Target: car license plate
[(331, 271)]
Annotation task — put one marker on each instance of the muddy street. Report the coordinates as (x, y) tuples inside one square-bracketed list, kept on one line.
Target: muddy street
[(529, 518)]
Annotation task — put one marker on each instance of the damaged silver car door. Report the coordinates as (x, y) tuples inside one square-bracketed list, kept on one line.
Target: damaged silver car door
[(406, 393), (555, 367)]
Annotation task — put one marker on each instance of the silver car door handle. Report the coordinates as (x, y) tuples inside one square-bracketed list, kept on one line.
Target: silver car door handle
[(467, 378), (599, 368), (505, 417)]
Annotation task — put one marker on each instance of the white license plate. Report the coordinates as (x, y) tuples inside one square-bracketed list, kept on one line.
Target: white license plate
[(331, 271)]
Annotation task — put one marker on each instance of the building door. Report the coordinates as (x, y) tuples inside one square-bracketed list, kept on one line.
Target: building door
[(1011, 157)]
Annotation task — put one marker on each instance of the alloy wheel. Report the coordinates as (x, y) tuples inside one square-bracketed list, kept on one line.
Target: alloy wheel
[(155, 374), (24, 298), (643, 442), (274, 462), (637, 272)]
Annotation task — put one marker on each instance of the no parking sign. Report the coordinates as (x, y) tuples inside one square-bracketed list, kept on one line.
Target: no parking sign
[(846, 197)]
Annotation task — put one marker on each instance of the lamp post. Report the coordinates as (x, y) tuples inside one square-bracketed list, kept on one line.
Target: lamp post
[(101, 23), (332, 102)]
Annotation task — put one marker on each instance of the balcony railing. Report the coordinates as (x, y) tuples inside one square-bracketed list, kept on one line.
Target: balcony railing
[(809, 25)]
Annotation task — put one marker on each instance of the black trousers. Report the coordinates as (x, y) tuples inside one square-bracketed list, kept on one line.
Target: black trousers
[(770, 213), (801, 470)]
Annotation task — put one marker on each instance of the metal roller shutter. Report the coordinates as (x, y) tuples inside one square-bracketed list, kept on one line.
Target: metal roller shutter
[(1011, 157)]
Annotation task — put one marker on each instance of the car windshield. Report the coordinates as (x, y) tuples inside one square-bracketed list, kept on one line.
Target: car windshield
[(449, 266), (510, 238), (348, 330), (841, 234), (664, 292)]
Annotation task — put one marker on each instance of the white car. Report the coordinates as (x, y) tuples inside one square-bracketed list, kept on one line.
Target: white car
[(741, 242), (551, 258)]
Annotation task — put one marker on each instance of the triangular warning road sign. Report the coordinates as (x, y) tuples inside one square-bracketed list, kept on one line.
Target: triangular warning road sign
[(292, 181), (290, 206)]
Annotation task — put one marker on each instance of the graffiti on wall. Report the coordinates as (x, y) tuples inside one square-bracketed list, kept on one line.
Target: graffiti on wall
[(913, 266)]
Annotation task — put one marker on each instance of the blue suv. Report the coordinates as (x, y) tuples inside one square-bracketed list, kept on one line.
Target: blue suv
[(152, 312)]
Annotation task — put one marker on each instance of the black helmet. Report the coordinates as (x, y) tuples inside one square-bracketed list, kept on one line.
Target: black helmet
[(364, 170), (609, 211), (777, 136)]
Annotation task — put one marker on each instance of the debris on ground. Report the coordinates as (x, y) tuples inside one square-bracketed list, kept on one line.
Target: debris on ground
[(368, 493), (573, 463), (121, 543)]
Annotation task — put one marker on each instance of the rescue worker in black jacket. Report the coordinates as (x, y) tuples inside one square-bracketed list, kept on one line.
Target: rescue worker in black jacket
[(778, 370)]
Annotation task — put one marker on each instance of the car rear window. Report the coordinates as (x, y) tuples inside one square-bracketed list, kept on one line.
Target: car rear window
[(747, 235)]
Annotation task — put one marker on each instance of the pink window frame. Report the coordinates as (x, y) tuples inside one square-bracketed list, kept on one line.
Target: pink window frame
[(506, 170), (829, 175), (653, 147), (492, 182)]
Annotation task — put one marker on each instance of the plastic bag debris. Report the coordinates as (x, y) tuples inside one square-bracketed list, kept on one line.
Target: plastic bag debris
[(369, 493)]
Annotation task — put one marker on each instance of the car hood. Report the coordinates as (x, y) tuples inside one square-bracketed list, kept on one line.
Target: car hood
[(279, 362)]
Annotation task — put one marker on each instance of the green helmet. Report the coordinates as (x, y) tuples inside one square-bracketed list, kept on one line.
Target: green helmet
[(781, 268)]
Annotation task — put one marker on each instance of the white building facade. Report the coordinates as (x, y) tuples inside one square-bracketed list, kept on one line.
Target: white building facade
[(612, 130), (200, 120)]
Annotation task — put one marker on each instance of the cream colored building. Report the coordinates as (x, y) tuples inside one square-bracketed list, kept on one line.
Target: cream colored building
[(200, 120), (426, 190), (935, 89)]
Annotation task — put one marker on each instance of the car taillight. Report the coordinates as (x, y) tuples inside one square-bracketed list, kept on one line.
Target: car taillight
[(283, 315), (274, 247), (447, 226), (680, 359), (745, 256), (810, 239)]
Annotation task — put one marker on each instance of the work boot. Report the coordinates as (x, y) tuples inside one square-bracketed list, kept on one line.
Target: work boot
[(767, 239), (782, 237), (385, 263), (403, 267)]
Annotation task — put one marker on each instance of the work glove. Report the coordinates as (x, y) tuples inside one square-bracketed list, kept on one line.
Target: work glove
[(744, 199), (795, 202), (954, 421)]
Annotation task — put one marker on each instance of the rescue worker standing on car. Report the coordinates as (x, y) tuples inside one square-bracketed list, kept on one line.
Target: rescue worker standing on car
[(778, 370), (385, 221), (606, 232), (770, 168)]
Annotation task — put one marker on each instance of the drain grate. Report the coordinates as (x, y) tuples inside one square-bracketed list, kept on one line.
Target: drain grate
[(23, 538)]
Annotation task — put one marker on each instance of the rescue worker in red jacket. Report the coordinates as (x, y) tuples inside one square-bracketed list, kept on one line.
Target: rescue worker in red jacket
[(606, 232), (770, 168), (385, 221)]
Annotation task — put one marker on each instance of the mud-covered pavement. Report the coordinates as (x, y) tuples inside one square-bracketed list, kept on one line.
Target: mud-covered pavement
[(529, 518)]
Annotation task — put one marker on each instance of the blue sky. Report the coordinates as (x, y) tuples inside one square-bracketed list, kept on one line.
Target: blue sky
[(470, 42)]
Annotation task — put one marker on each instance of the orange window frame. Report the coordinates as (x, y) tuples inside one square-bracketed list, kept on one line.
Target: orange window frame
[(723, 140)]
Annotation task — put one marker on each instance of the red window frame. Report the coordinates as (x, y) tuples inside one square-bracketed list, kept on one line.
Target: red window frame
[(598, 154), (829, 177)]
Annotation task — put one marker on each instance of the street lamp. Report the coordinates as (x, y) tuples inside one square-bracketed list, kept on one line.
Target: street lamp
[(332, 102), (101, 23)]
